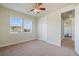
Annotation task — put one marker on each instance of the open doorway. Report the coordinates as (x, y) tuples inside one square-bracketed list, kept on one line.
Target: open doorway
[(68, 29)]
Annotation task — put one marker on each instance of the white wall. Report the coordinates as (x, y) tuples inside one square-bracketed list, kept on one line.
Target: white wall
[(62, 29), (6, 37), (54, 28), (68, 27), (77, 29), (73, 28)]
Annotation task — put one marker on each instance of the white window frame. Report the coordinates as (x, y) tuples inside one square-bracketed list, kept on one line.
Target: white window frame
[(22, 28), (31, 27), (10, 24)]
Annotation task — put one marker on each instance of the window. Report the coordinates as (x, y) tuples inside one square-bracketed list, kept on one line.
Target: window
[(27, 25), (15, 24), (19, 25)]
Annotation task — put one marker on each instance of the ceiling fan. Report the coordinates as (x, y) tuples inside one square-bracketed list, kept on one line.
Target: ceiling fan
[(37, 8)]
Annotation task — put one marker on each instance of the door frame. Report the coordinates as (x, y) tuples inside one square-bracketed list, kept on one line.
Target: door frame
[(70, 9)]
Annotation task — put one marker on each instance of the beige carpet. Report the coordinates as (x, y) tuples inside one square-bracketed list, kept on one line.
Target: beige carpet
[(36, 48), (68, 42)]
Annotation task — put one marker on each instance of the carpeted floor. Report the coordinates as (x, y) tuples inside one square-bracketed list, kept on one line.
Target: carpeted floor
[(35, 48)]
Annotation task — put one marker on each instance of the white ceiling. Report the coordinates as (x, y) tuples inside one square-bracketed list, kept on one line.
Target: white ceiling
[(25, 7)]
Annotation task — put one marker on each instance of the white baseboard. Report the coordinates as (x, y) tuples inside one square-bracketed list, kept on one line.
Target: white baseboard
[(76, 53), (51, 43), (12, 43)]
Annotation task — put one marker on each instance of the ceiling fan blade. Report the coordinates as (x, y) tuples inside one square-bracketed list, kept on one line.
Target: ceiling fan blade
[(42, 8), (31, 9), (37, 7), (38, 4)]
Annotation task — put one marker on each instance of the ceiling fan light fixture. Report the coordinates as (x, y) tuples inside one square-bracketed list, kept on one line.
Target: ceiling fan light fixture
[(37, 8)]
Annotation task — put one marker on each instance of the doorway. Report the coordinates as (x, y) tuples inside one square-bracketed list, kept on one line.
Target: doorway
[(67, 29)]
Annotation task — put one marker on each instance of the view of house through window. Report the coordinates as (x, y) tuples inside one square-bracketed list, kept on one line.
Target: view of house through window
[(19, 25), (27, 25)]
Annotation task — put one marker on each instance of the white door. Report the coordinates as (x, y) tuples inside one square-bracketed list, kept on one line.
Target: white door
[(42, 28)]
